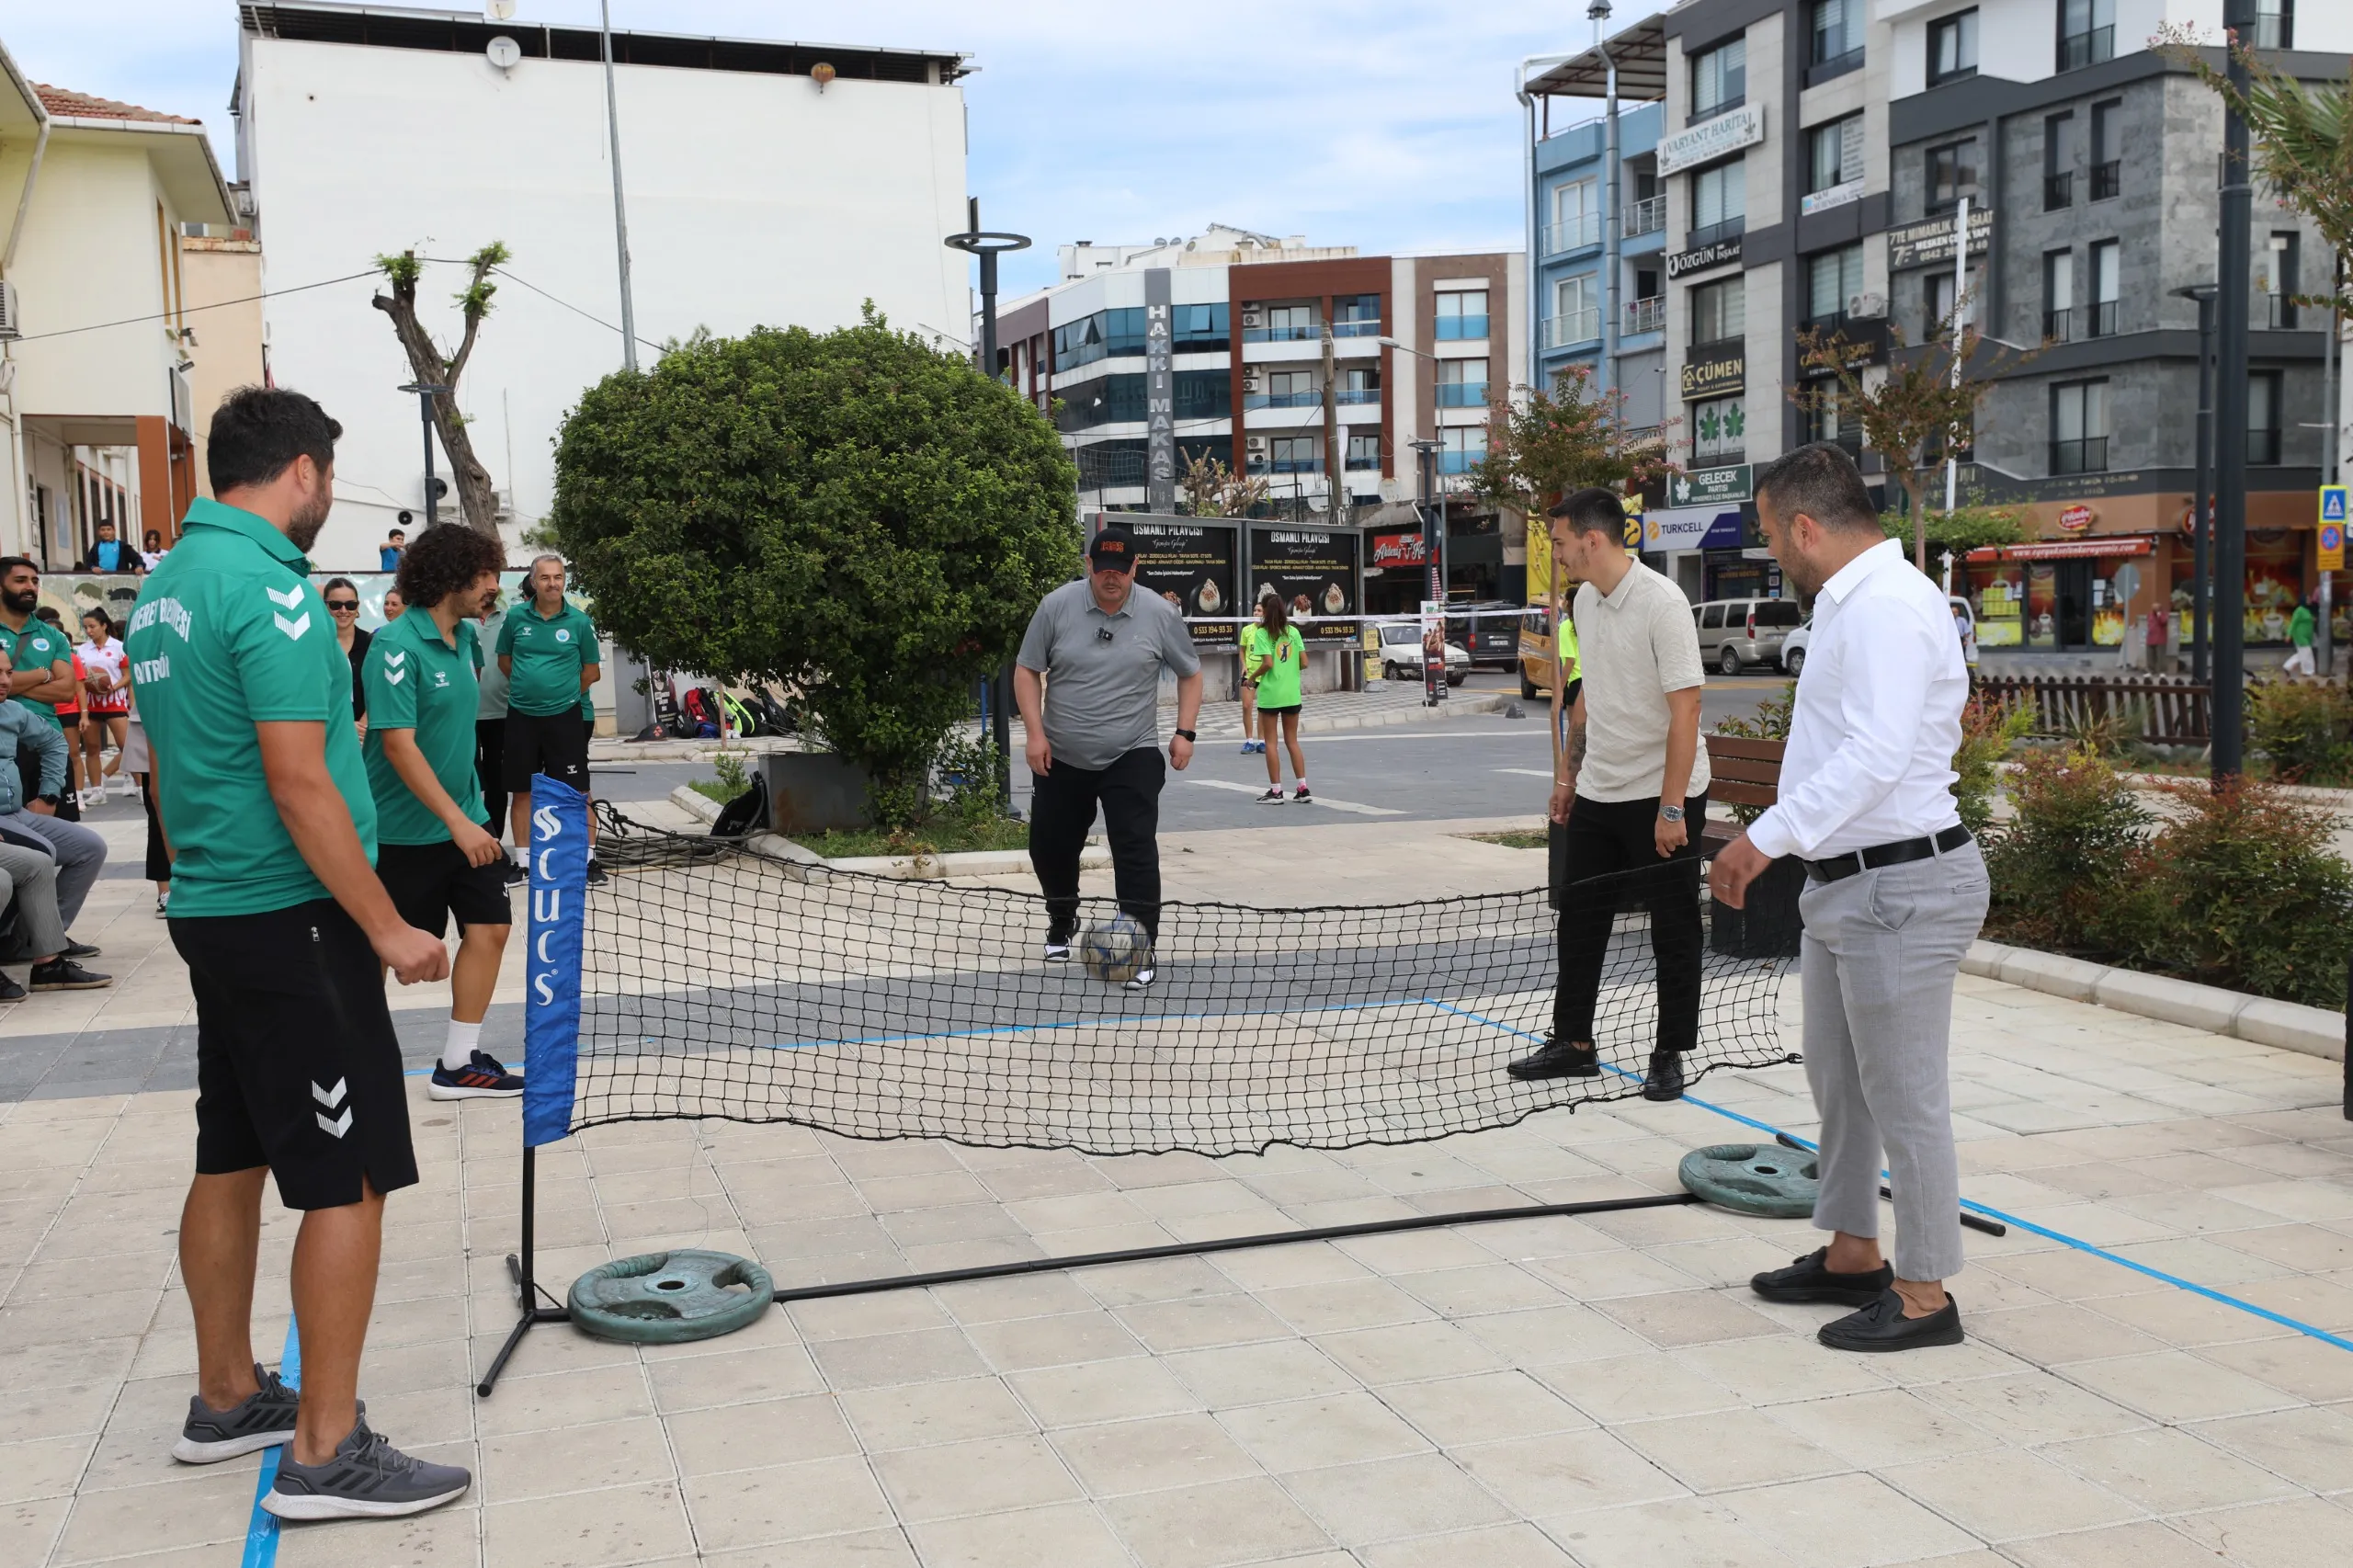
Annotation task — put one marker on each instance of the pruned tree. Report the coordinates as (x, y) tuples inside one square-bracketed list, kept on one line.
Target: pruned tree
[(431, 366), (1213, 489), (1540, 449)]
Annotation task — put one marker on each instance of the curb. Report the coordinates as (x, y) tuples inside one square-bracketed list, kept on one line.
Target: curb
[(911, 867), (2289, 1026)]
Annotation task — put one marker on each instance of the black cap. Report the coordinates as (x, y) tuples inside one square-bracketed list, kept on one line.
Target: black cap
[(1115, 547)]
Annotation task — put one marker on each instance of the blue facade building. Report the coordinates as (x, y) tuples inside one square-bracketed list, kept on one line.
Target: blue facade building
[(1571, 291)]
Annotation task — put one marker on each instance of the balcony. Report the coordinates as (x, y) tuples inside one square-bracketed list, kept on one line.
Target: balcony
[(2087, 455), (2262, 447), (1310, 333), (1287, 465), (1579, 326), (1645, 315), (2058, 191), (1460, 329), (1463, 394), (2108, 179), (1363, 460), (1460, 462), (1308, 399), (1572, 234), (2102, 322), (1356, 329), (2079, 49), (2281, 311), (1360, 396), (1647, 216), (2059, 325)]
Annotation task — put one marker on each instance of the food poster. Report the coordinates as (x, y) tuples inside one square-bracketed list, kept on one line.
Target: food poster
[(2275, 581), (1998, 596), (1192, 566), (2041, 617), (2109, 609), (1315, 570)]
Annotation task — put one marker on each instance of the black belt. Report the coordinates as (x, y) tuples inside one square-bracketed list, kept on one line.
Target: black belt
[(1878, 854)]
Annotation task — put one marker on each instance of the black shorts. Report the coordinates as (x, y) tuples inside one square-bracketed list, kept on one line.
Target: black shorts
[(553, 744), (297, 1067), (1278, 712), (430, 882)]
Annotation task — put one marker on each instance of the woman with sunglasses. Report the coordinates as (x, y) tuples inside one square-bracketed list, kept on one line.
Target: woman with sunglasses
[(343, 603)]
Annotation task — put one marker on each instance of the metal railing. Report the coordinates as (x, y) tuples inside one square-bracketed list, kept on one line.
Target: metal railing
[(1281, 400), (2282, 312), (1647, 216), (1460, 462), (2059, 325), (1460, 329), (1359, 395), (2103, 320), (2058, 190), (2079, 49), (1357, 328), (1572, 234), (2087, 454), (1463, 394), (1307, 333), (1579, 326), (1645, 315), (2108, 179)]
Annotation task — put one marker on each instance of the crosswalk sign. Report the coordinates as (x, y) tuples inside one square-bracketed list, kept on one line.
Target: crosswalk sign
[(2332, 504), (2330, 553)]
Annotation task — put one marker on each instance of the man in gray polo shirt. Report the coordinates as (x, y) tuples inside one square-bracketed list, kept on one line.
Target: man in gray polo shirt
[(1088, 681)]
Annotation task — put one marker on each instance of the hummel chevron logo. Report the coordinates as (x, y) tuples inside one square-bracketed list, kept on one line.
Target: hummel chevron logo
[(394, 656), (331, 1098), (335, 1127), (289, 598), (394, 678), (294, 628)]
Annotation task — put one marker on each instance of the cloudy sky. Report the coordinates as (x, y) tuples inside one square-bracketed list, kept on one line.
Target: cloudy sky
[(1385, 125)]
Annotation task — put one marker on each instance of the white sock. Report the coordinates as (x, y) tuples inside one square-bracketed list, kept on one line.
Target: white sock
[(522, 857), (460, 1051)]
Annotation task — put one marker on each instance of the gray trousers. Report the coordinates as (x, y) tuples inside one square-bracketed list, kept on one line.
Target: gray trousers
[(81, 856), (31, 877), (1880, 951)]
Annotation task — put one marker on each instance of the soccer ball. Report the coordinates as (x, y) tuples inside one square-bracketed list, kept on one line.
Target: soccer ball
[(1115, 950)]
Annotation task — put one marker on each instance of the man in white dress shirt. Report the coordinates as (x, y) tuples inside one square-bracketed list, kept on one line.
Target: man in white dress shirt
[(1895, 891)]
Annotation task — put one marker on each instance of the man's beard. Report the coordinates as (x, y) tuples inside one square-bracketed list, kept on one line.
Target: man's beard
[(303, 527), (23, 603)]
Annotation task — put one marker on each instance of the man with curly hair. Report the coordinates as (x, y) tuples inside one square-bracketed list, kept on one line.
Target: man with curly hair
[(437, 855)]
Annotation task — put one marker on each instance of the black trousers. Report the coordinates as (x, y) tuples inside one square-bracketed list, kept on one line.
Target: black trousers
[(1061, 811), (1606, 838), (159, 856), (490, 764)]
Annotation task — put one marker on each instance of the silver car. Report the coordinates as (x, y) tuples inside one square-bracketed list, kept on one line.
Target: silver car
[(1735, 635), (1401, 655)]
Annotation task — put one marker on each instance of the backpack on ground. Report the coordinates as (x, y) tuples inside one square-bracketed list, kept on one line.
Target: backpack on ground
[(745, 814)]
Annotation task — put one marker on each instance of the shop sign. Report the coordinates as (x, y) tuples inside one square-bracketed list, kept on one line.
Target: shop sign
[(1712, 138), (1715, 370), (1703, 259), (1399, 550), (1929, 241), (1633, 531), (1540, 558), (1836, 196), (1190, 564), (1315, 570), (2076, 519), (2067, 548), (1715, 487)]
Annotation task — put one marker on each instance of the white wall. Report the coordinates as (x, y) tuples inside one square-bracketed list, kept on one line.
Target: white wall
[(752, 200), (2018, 40)]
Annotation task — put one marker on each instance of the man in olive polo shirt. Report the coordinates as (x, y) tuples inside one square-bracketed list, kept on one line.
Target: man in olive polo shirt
[(546, 647), (263, 798), (435, 855)]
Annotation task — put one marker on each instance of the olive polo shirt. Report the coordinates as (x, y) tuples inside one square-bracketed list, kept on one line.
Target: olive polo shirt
[(229, 633), (550, 652), (39, 646), (418, 682)]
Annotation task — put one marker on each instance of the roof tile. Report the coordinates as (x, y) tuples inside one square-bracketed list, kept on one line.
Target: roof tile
[(86, 106)]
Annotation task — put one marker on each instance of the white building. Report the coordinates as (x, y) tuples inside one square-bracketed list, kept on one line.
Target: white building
[(767, 184)]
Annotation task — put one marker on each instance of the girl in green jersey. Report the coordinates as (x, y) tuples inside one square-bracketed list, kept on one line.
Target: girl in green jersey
[(1282, 650)]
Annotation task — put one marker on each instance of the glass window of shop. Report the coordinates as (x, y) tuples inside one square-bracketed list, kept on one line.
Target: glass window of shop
[(2275, 582), (2052, 606)]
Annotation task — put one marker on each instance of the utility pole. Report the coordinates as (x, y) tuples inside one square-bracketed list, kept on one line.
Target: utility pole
[(1336, 473), (620, 209), (2329, 353), (2231, 283), (2201, 527)]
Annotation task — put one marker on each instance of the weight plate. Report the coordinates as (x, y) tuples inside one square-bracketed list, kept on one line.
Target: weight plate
[(1753, 1178), (668, 1297)]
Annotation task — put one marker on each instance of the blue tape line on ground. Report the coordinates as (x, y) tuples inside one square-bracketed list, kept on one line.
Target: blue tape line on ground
[(1990, 1213), (261, 1531)]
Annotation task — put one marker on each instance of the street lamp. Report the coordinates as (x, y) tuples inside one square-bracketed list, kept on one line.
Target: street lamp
[(425, 392), (2201, 532), (1433, 509)]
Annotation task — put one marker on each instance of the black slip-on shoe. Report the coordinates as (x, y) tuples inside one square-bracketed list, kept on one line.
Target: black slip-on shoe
[(1555, 1059), (1664, 1081), (1881, 1326), (1807, 1279)]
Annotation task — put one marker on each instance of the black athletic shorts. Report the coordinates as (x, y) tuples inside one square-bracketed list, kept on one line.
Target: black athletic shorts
[(553, 744), (297, 1067), (1278, 712), (430, 882)]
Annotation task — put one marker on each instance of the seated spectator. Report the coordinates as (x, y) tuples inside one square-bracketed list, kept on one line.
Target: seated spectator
[(34, 871)]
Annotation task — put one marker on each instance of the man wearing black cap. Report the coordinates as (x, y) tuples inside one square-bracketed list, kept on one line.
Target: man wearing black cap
[(1088, 681)]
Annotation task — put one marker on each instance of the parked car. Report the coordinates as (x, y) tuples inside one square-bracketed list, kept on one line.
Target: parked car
[(1401, 655), (1536, 653), (1794, 647), (1736, 633), (1491, 635)]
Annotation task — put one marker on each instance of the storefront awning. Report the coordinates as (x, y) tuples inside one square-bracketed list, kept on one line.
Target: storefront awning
[(2067, 548)]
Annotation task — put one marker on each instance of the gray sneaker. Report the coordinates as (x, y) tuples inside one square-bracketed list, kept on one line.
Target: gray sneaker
[(368, 1478), (264, 1420)]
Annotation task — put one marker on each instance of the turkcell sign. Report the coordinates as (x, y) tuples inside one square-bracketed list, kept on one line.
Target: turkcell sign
[(1703, 259), (559, 891), (1712, 138), (1159, 393)]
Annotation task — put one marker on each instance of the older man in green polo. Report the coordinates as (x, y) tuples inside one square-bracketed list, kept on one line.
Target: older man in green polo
[(546, 647)]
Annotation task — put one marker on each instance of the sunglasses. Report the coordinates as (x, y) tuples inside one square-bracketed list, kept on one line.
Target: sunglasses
[(343, 604)]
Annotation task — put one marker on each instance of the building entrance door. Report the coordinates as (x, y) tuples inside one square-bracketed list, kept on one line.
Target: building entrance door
[(2074, 612)]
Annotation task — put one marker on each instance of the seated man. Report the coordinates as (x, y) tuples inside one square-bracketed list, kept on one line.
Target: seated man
[(29, 872), (28, 817)]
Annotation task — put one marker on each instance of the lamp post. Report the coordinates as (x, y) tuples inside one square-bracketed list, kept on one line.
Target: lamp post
[(2200, 527), (620, 211), (426, 394), (2233, 285), (1433, 508), (988, 247)]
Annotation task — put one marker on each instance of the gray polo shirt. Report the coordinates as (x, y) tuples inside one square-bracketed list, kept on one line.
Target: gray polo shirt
[(1103, 694)]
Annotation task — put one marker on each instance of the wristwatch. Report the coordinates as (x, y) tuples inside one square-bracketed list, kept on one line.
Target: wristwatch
[(1672, 813), (1183, 735)]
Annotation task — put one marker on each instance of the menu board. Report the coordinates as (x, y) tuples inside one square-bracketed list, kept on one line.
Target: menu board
[(1192, 566), (1315, 570)]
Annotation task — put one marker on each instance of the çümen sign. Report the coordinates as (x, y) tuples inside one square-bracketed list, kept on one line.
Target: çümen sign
[(1712, 138), (1716, 368), (1701, 258), (1929, 242)]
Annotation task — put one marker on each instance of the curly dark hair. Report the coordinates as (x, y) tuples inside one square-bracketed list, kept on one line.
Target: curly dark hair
[(445, 560)]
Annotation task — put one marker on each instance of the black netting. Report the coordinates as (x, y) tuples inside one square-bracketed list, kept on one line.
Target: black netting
[(720, 981)]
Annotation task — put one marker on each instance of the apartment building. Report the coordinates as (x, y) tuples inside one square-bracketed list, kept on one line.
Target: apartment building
[(1418, 343), (1575, 208)]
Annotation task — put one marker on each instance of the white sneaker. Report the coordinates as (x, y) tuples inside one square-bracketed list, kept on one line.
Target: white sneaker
[(97, 797), (1142, 978)]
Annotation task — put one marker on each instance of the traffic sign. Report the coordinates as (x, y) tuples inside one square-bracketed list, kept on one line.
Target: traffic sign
[(2330, 556), (2332, 504)]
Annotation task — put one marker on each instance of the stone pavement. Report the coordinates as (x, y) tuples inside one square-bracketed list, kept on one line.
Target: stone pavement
[(1598, 1392)]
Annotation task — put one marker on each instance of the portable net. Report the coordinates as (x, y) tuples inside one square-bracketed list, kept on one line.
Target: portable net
[(719, 981)]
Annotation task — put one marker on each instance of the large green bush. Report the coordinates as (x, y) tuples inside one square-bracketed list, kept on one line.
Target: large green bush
[(853, 512), (2305, 727), (2057, 864)]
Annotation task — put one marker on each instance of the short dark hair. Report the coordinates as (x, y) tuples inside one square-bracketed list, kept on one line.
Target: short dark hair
[(444, 560), (1591, 511), (1821, 480), (98, 613), (105, 522), (257, 432), (10, 562), (49, 613), (402, 533)]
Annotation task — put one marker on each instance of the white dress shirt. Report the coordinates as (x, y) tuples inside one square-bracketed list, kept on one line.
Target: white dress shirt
[(1878, 716)]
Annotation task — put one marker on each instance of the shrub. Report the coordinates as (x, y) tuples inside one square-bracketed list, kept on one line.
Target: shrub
[(2305, 727), (2057, 865), (1988, 731)]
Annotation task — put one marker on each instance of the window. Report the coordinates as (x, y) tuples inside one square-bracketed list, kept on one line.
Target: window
[(1828, 419), (2275, 24), (1952, 173), (1360, 385), (2107, 261), (1953, 48), (2058, 162), (2263, 417), (1718, 310), (2059, 295), (1834, 153), (1935, 304), (2279, 279), (1837, 30), (2079, 427), (1719, 203), (1462, 446), (1291, 389), (1461, 383), (1831, 280), (1364, 451), (1461, 314), (1712, 617), (1296, 454), (1576, 218), (2086, 32), (1576, 315), (1719, 431), (2107, 162), (1203, 394), (1197, 329), (1719, 79)]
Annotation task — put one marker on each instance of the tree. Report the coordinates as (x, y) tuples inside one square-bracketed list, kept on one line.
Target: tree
[(856, 513), (1555, 442), (1213, 489), (433, 368), (1973, 526)]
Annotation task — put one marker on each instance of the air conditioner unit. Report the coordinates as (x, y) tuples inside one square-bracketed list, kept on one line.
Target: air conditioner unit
[(1253, 315), (1866, 307), (11, 324), (1255, 445), (1250, 378), (502, 506)]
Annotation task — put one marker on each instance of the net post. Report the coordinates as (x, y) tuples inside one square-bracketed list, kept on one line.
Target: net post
[(519, 1266)]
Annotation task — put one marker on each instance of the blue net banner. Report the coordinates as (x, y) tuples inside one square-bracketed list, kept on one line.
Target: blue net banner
[(558, 895)]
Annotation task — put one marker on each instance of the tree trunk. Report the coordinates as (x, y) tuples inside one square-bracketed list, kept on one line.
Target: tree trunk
[(476, 501), (1920, 520)]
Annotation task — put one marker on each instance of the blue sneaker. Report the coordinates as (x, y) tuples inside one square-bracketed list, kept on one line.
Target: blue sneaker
[(484, 1078)]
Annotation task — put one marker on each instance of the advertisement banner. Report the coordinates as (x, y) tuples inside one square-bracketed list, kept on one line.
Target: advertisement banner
[(1315, 570), (1713, 487), (1929, 242), (1433, 650), (1539, 559), (1393, 550), (1159, 393), (1703, 259), (1712, 138), (1191, 564), (552, 964)]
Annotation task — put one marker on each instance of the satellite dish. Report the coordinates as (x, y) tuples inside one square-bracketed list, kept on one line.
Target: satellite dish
[(504, 52), (498, 10)]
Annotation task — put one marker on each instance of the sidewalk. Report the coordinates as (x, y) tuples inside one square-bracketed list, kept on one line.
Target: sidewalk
[(1381, 703)]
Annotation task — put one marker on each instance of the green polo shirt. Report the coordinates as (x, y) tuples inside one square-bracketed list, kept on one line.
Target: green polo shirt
[(39, 645), (229, 633), (416, 681), (549, 652)]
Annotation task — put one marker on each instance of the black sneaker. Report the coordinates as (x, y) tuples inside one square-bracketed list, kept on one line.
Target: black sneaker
[(264, 1420), (64, 974), (515, 874), (596, 877), (1881, 1325), (482, 1078), (368, 1478), (79, 950), (1554, 1060), (1807, 1279), (9, 990), (1666, 1079)]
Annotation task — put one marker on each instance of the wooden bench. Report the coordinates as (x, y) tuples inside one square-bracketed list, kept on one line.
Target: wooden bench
[(1744, 773)]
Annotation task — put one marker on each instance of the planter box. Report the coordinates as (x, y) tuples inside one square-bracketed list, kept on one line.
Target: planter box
[(1768, 925), (813, 792)]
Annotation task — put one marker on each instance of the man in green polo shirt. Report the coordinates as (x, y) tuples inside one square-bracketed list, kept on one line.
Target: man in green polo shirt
[(435, 855), (263, 798), (43, 658), (547, 646)]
